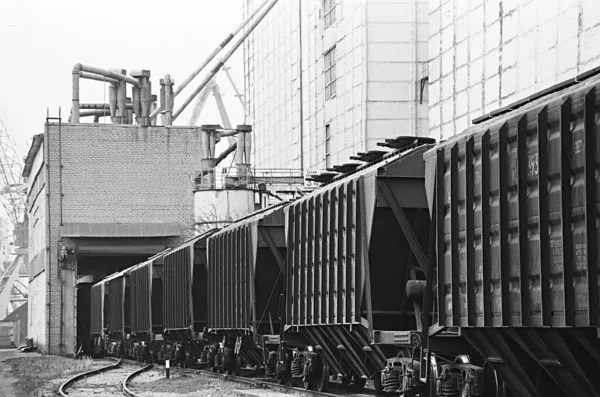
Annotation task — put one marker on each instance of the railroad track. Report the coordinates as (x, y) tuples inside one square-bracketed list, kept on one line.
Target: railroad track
[(255, 383), (109, 380)]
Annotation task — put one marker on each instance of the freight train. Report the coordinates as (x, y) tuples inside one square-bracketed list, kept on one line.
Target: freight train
[(464, 268)]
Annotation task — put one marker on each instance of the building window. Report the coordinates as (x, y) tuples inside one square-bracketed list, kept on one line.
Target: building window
[(327, 146), (328, 13), (330, 76)]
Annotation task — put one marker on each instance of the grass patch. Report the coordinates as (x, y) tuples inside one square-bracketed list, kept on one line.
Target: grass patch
[(39, 376)]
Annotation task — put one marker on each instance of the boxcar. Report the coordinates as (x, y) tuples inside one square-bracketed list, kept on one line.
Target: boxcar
[(146, 302), (246, 277), (185, 301), (515, 205), (352, 248)]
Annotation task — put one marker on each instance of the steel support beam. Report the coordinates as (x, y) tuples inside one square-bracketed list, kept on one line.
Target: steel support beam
[(266, 235), (403, 223)]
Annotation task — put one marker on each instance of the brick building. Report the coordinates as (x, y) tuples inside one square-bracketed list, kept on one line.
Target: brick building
[(485, 55), (112, 195), (325, 79)]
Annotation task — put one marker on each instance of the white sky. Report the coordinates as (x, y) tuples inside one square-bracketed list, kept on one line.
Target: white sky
[(41, 40)]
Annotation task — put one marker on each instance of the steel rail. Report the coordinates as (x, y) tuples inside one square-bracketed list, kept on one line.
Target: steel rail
[(253, 382), (129, 377), (64, 385)]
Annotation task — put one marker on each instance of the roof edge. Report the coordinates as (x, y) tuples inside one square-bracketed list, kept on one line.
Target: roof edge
[(33, 150)]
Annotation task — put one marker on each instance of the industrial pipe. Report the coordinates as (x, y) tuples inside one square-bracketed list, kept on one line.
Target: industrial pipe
[(103, 72), (99, 106), (221, 62), (210, 57), (142, 98), (92, 76), (225, 153), (89, 113), (76, 74), (166, 99)]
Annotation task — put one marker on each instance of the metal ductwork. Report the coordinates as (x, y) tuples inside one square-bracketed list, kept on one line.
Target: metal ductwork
[(214, 53), (142, 96), (117, 79), (166, 99), (209, 141), (242, 153), (225, 58)]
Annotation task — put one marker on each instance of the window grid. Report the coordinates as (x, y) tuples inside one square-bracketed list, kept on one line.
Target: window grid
[(330, 74), (328, 13)]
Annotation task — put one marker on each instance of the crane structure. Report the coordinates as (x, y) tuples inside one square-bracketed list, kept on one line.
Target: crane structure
[(14, 278)]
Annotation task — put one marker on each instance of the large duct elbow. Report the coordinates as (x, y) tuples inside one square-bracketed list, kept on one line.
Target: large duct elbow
[(117, 93)]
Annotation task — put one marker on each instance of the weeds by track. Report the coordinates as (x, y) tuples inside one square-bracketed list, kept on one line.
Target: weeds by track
[(254, 383)]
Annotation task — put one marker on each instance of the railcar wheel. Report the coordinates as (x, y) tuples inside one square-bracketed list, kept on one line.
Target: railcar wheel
[(323, 381)]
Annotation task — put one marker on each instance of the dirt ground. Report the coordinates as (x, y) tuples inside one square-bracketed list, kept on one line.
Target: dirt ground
[(31, 374), (154, 383)]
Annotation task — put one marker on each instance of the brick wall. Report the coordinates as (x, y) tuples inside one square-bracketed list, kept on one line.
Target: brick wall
[(110, 174), (487, 54)]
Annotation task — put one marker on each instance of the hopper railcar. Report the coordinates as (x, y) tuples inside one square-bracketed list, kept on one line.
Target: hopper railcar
[(514, 202), (110, 314), (246, 278), (464, 268), (185, 306), (353, 245), (145, 295)]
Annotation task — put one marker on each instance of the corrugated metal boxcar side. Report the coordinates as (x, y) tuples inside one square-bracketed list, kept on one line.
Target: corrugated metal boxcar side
[(245, 273), (517, 236), (517, 240), (352, 247), (97, 309), (116, 299), (141, 296), (177, 289), (184, 286)]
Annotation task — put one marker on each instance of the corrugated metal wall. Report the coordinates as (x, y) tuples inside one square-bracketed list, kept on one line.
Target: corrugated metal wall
[(177, 289), (116, 294), (325, 259), (140, 282), (517, 236), (231, 279), (96, 309)]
